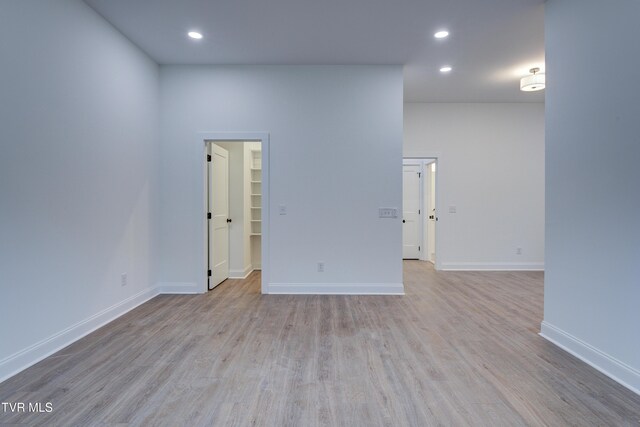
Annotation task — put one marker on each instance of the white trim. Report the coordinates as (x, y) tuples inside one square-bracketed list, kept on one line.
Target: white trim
[(178, 288), (492, 266), (241, 274), (599, 360), (337, 288), (201, 165), (31, 355)]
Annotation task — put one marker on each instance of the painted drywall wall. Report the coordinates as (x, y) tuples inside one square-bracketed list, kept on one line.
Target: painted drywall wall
[(78, 175), (592, 281), (491, 169), (320, 119)]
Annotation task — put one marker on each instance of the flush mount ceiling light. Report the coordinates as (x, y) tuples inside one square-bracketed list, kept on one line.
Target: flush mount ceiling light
[(194, 35), (533, 82), (445, 69), (441, 34)]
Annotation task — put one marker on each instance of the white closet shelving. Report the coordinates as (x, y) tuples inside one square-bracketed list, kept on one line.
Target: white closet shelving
[(256, 192)]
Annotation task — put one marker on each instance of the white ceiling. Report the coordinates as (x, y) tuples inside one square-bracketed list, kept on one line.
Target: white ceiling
[(492, 44)]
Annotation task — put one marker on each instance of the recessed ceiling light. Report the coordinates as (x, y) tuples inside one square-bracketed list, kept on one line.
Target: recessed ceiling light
[(194, 35), (441, 34), (445, 69)]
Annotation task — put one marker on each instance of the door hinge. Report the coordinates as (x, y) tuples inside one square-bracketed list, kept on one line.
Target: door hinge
[(418, 248), (209, 215), (418, 211), (209, 273), (208, 157), (419, 174)]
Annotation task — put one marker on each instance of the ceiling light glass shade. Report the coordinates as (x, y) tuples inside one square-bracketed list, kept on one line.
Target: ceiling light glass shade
[(533, 82)]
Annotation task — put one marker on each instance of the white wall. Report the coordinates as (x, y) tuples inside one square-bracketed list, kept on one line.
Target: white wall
[(78, 166), (592, 283), (320, 118), (491, 168)]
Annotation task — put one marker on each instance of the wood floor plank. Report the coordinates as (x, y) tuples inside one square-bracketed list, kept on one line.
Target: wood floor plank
[(461, 348)]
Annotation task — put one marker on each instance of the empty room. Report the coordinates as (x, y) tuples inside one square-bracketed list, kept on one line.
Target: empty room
[(329, 213)]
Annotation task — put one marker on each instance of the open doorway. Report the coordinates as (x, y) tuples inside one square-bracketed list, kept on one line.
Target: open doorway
[(419, 210), (235, 209), (236, 225)]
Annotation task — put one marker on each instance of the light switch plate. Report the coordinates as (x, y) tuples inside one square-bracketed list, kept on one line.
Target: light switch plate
[(388, 212)]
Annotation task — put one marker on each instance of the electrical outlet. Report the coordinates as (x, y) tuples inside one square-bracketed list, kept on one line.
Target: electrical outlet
[(321, 267), (518, 251), (123, 279)]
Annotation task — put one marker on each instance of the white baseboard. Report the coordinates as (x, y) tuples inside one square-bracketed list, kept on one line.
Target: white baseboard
[(241, 274), (491, 266), (336, 288), (31, 355), (610, 366), (178, 288)]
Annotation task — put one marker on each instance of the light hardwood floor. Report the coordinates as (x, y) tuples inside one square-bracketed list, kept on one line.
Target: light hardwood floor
[(459, 349)]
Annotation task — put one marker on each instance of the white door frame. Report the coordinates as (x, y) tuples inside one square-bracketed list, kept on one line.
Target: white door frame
[(420, 155), (204, 138)]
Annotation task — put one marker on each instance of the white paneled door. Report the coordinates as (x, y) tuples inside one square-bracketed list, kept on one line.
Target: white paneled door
[(430, 175), (411, 211), (219, 218)]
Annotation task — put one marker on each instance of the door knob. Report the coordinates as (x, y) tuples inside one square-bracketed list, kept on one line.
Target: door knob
[(228, 219), (403, 221)]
